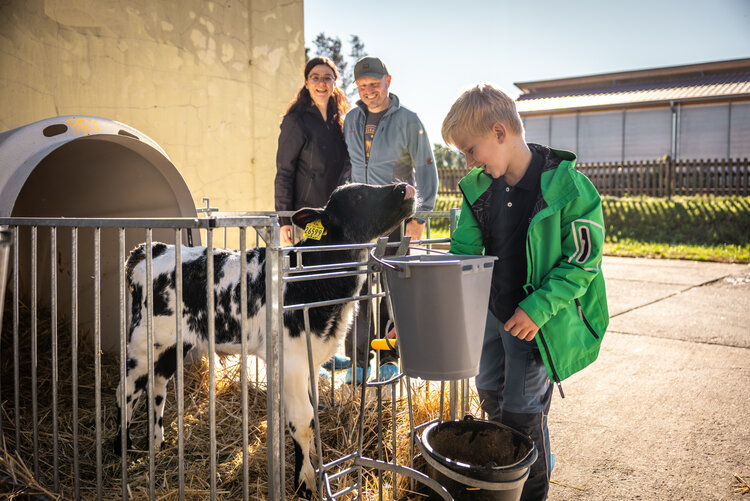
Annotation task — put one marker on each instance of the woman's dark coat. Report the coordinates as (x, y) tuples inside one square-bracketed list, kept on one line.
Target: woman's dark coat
[(311, 161)]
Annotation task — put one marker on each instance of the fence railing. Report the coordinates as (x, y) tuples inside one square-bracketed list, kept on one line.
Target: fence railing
[(656, 178), (62, 349)]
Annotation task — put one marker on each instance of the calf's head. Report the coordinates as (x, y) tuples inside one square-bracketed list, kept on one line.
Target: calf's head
[(358, 213)]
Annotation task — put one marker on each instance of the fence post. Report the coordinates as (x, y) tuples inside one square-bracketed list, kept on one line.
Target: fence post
[(670, 165), (274, 362)]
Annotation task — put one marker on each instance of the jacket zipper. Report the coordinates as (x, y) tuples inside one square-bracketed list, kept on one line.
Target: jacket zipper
[(586, 322), (555, 377)]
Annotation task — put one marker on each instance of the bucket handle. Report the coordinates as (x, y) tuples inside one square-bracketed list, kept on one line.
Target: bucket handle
[(473, 482), (397, 268)]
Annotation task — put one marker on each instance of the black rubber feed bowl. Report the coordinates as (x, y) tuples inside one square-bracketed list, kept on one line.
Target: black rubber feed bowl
[(478, 450)]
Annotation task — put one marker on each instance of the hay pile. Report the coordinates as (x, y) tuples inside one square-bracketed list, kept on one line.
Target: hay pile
[(338, 424)]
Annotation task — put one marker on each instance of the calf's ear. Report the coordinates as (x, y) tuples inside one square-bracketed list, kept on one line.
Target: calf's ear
[(305, 216)]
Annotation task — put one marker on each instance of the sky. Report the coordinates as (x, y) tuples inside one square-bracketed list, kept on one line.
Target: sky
[(436, 49)]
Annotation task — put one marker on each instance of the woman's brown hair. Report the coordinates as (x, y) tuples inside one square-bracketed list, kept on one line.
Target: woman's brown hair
[(338, 104)]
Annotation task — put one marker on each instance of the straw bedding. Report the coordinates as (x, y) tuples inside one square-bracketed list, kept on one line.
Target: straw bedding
[(338, 424)]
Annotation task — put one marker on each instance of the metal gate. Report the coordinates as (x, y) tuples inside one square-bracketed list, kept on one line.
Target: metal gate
[(55, 428)]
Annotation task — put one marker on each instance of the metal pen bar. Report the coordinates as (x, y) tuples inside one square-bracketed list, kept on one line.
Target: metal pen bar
[(3, 284), (74, 357), (411, 427), (442, 401), (211, 358), (34, 354), (329, 302), (180, 376), (243, 357), (89, 222), (296, 272), (16, 355), (98, 356), (303, 278), (453, 402), (339, 461), (421, 477), (240, 221), (256, 358), (53, 314), (150, 405), (274, 369), (314, 401), (342, 492), (393, 435), (379, 391), (123, 360)]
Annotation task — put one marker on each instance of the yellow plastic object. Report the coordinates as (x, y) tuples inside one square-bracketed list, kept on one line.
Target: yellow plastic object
[(384, 344)]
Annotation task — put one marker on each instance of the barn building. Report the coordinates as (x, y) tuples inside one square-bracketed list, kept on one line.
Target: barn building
[(690, 112)]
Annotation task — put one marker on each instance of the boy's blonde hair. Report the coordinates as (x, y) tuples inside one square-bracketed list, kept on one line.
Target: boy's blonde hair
[(477, 110)]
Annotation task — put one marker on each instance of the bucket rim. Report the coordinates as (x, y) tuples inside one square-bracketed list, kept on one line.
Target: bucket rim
[(435, 259), (524, 462)]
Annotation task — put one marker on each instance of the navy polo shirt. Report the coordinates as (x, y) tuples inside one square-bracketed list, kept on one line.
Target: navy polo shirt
[(510, 215)]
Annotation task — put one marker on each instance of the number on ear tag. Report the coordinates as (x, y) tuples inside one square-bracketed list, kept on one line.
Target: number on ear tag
[(314, 230)]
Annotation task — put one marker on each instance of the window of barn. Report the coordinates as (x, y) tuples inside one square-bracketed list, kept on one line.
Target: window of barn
[(563, 131), (739, 131), (537, 129), (648, 133), (704, 131), (600, 136)]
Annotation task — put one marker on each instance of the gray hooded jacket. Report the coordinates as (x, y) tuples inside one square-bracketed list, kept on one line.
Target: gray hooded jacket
[(400, 151)]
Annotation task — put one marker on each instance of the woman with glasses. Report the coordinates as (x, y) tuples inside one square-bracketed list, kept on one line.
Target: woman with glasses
[(311, 160)]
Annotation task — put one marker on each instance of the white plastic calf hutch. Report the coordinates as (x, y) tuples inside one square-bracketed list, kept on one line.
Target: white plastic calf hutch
[(82, 166)]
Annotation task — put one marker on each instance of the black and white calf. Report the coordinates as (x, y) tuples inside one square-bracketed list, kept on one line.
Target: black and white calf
[(355, 213)]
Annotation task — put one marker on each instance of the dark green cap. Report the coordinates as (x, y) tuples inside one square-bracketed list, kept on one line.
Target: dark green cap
[(370, 67)]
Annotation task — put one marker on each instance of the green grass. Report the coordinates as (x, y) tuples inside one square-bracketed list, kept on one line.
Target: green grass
[(697, 228)]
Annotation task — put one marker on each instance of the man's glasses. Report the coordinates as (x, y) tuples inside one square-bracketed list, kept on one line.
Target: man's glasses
[(326, 79)]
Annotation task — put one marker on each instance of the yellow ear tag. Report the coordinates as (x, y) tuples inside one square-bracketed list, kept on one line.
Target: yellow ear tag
[(314, 230)]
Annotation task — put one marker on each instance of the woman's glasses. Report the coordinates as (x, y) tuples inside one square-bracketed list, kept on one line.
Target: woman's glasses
[(326, 79)]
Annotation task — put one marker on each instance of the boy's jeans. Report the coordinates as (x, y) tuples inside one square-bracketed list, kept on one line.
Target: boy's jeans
[(515, 391)]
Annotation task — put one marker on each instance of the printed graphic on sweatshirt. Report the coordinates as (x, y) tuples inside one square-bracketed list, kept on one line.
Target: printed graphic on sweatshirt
[(586, 234)]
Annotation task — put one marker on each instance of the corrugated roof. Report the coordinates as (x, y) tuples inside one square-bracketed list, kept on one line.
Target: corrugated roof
[(695, 88)]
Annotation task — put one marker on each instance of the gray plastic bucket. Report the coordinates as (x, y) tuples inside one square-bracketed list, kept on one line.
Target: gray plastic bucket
[(440, 308), (478, 460)]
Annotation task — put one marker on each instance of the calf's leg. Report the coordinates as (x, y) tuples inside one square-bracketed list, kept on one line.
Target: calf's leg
[(132, 395), (299, 414)]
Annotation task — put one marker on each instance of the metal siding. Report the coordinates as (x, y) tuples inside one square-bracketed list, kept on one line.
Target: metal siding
[(648, 133), (537, 129), (600, 136), (563, 131), (704, 131), (739, 134)]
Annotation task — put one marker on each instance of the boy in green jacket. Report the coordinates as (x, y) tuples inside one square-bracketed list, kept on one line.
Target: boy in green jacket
[(527, 205)]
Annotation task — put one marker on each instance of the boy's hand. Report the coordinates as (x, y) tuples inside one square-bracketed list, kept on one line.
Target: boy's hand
[(521, 325)]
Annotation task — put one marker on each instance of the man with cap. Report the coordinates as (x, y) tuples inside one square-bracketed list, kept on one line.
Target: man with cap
[(387, 143)]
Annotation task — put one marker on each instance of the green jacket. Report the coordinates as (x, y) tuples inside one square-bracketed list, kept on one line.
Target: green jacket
[(565, 288)]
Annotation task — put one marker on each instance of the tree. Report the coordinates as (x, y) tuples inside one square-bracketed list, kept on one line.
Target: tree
[(446, 157), (331, 47)]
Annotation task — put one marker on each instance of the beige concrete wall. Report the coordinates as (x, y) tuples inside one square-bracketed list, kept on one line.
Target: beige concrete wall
[(208, 81)]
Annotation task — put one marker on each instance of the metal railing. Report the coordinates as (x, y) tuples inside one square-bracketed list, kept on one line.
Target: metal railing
[(60, 290), (266, 228)]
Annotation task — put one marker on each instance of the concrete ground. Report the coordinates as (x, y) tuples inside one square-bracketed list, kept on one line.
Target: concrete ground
[(664, 413)]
